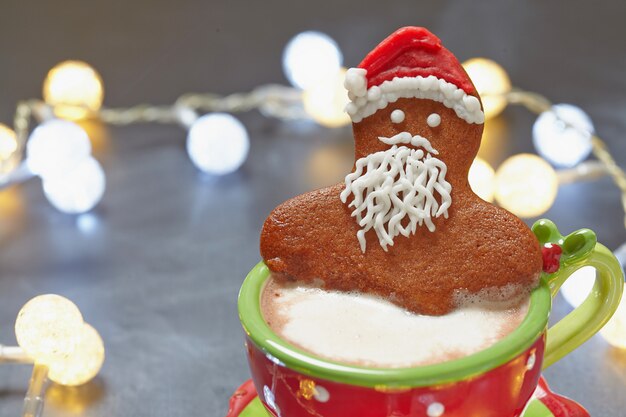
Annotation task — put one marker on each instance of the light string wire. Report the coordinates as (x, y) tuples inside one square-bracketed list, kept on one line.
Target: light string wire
[(271, 100), (601, 151), (538, 104), (285, 103)]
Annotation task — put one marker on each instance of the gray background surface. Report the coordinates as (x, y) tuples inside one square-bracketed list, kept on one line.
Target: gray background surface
[(158, 269)]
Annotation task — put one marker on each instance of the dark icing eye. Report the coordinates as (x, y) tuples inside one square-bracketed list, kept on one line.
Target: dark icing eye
[(433, 120), (397, 116)]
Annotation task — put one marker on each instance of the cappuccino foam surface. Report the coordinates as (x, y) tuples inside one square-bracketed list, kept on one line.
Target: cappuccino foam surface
[(366, 330)]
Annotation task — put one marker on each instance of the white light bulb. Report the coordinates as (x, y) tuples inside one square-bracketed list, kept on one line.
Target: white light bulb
[(78, 189), (562, 135), (218, 143), (578, 286), (311, 57), (56, 145)]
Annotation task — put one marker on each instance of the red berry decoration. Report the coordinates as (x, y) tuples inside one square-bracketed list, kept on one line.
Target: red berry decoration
[(551, 254)]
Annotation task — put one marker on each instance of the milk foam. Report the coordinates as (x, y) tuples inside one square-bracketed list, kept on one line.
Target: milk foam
[(368, 330)]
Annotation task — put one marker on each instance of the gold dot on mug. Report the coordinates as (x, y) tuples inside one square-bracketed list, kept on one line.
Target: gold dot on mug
[(307, 389)]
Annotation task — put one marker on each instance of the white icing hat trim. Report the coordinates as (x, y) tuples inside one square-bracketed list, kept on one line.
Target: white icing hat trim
[(364, 102)]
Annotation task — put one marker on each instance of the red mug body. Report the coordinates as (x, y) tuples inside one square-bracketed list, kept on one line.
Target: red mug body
[(499, 392)]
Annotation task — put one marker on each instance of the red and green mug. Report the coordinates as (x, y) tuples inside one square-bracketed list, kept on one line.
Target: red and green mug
[(495, 382)]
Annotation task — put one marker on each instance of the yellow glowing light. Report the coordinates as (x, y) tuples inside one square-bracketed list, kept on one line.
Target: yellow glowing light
[(325, 102), (84, 363), (615, 330), (47, 328), (329, 164), (526, 185), (8, 146), (12, 206), (482, 179), (491, 81), (495, 140), (74, 88)]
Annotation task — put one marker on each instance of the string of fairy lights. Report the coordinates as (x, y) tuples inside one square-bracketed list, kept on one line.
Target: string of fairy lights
[(50, 330), (53, 337)]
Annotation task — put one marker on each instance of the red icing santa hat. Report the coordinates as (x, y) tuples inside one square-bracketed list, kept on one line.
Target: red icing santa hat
[(411, 63)]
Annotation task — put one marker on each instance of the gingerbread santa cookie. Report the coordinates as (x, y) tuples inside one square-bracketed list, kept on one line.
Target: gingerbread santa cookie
[(405, 223)]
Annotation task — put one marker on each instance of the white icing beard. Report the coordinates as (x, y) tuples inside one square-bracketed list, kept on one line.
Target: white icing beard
[(396, 190), (364, 102)]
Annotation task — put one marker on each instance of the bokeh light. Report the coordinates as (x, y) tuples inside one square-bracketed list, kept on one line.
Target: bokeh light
[(87, 223), (55, 146), (310, 58), (562, 135), (328, 164), (12, 207), (620, 254), (99, 136), (526, 185), (491, 82), (47, 326), (74, 88), (325, 102), (482, 179), (496, 139), (578, 286), (85, 361), (615, 330), (78, 189), (218, 143), (8, 146)]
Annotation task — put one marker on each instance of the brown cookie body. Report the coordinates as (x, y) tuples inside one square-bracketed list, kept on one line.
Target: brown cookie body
[(469, 247), (420, 273)]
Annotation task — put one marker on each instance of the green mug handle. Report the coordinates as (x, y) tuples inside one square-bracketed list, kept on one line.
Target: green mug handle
[(578, 249)]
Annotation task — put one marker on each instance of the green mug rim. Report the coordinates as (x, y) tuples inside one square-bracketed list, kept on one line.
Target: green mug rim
[(284, 353)]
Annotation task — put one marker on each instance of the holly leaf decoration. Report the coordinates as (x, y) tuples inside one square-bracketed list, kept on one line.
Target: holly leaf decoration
[(560, 251)]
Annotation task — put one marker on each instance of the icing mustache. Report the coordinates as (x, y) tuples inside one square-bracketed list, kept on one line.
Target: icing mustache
[(407, 138)]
